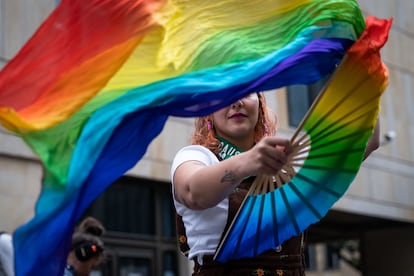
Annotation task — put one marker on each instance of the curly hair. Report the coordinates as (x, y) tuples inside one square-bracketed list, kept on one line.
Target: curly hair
[(206, 137), (91, 226)]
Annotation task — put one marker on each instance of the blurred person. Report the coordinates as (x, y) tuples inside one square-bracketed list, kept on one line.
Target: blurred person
[(6, 254), (87, 249)]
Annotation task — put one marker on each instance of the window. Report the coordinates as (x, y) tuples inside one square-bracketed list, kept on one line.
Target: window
[(300, 98), (322, 257), (139, 217), (134, 266), (310, 257), (332, 257)]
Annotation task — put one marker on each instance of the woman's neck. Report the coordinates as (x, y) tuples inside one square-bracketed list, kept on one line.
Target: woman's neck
[(243, 144)]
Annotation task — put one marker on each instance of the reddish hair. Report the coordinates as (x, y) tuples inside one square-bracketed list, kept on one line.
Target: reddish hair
[(206, 137)]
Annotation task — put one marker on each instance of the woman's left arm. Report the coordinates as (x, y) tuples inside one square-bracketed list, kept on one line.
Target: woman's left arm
[(374, 141)]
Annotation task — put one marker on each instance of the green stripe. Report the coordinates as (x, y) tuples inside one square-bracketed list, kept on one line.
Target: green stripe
[(250, 42)]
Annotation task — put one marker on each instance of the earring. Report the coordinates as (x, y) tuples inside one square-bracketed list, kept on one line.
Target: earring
[(209, 125)]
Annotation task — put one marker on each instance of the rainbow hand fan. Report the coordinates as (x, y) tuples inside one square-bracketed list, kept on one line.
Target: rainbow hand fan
[(328, 149)]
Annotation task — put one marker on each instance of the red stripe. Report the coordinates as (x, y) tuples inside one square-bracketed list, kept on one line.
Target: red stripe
[(75, 32)]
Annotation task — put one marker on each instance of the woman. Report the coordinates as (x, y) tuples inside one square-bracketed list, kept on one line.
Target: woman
[(211, 177)]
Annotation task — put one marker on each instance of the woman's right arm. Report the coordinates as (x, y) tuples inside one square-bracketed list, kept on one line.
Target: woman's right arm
[(200, 186)]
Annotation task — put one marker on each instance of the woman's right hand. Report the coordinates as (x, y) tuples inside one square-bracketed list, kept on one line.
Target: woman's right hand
[(268, 156)]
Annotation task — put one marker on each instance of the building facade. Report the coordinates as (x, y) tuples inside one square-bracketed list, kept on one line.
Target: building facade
[(368, 232)]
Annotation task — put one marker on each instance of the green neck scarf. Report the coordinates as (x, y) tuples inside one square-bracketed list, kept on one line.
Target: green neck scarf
[(227, 149)]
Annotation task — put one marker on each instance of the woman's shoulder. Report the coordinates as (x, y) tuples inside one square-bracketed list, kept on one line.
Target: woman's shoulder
[(194, 153)]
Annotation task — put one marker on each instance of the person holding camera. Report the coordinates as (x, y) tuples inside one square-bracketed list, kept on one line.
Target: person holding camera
[(87, 250)]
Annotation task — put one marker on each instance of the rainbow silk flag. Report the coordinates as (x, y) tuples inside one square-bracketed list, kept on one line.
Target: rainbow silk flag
[(97, 81)]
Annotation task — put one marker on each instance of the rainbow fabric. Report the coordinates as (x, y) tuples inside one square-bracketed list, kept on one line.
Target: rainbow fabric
[(97, 81)]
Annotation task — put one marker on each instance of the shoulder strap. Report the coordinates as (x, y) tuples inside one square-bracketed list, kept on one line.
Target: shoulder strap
[(181, 235)]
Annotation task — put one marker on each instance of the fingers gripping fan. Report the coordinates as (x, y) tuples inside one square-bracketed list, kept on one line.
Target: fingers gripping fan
[(329, 146)]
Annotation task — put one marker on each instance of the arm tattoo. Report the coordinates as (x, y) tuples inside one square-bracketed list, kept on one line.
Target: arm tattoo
[(229, 177)]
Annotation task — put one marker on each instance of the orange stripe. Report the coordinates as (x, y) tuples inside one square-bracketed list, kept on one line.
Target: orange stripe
[(87, 80)]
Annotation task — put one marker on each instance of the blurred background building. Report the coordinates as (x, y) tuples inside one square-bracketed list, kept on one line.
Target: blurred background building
[(368, 232)]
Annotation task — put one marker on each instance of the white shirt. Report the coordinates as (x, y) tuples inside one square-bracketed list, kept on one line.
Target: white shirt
[(6, 254), (203, 228)]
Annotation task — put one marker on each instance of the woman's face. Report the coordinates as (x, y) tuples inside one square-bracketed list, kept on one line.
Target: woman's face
[(236, 122)]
